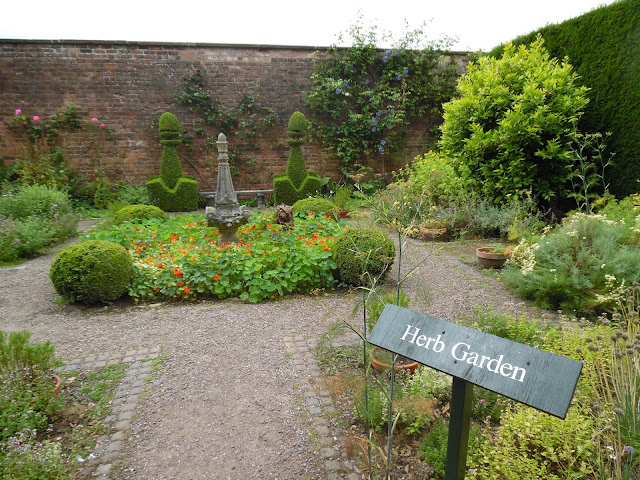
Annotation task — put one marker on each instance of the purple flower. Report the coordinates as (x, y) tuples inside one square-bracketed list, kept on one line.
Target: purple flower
[(346, 84), (392, 111), (373, 129), (384, 59), (18, 111), (338, 91), (405, 71), (378, 113), (398, 77), (628, 449), (387, 53), (383, 142), (381, 150), (389, 126), (374, 121)]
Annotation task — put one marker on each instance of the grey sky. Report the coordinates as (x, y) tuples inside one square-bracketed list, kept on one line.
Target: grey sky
[(478, 24)]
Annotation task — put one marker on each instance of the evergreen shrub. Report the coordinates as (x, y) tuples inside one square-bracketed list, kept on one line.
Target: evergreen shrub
[(95, 271), (138, 212), (297, 183), (603, 46), (362, 255), (316, 205), (508, 130)]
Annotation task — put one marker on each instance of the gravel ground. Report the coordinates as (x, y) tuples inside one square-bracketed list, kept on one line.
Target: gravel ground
[(227, 403)]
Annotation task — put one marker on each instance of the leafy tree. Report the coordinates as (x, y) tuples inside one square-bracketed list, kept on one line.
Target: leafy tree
[(509, 129)]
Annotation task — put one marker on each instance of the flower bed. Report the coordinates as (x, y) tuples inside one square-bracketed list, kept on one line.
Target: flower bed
[(180, 258)]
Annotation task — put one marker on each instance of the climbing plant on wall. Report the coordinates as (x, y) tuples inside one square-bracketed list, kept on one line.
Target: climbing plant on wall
[(364, 97), (243, 124)]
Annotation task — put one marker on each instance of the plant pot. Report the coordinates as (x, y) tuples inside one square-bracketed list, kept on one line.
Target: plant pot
[(344, 213), (379, 363), (488, 259), (58, 380)]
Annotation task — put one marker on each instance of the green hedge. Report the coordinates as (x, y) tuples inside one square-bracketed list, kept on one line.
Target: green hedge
[(604, 47)]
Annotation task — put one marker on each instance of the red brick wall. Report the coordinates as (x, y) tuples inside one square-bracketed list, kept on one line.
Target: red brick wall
[(127, 85)]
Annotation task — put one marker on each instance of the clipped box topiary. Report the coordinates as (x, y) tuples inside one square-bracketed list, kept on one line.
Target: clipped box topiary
[(316, 205), (138, 212), (92, 272), (362, 255)]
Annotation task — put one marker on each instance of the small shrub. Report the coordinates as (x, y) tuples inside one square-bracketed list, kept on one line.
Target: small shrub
[(531, 445), (316, 205), (362, 255), (434, 445), (579, 267), (35, 200), (138, 212), (92, 272)]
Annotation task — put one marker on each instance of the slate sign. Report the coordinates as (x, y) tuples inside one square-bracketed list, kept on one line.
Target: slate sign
[(540, 379)]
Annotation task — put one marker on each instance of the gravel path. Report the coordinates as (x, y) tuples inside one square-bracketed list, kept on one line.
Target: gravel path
[(229, 402)]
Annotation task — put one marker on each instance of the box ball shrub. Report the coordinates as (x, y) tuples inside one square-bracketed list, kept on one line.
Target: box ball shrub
[(95, 271), (315, 205), (138, 212), (362, 255)]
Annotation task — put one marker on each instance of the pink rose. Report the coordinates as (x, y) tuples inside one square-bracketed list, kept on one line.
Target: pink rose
[(102, 125), (36, 118), (18, 111), (94, 119)]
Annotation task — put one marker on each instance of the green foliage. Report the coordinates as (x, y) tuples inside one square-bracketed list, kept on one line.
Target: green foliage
[(508, 129), (316, 205), (434, 445), (530, 445), (27, 399), (242, 124), (433, 175), (179, 258), (580, 267), (33, 218), (297, 183), (428, 382), (342, 196), (138, 212), (378, 302), (363, 99), (30, 459), (297, 127), (92, 272), (603, 46), (521, 330), (362, 255), (172, 191)]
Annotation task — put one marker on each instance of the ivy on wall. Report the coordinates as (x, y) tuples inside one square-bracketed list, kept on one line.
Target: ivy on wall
[(243, 124)]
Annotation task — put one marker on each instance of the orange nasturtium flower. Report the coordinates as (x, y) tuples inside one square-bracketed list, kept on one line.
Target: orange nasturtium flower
[(216, 278), (177, 272), (187, 289)]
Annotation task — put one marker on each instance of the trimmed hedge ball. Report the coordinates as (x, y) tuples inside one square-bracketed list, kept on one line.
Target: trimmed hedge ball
[(138, 212), (316, 205), (361, 250), (95, 271)]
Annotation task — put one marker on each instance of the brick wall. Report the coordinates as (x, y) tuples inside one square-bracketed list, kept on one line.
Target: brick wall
[(128, 84)]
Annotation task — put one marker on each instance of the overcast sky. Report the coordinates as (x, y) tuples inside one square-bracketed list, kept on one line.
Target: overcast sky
[(478, 24)]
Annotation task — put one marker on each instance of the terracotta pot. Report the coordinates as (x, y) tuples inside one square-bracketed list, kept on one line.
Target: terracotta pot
[(58, 380), (381, 366), (487, 259), (344, 213)]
